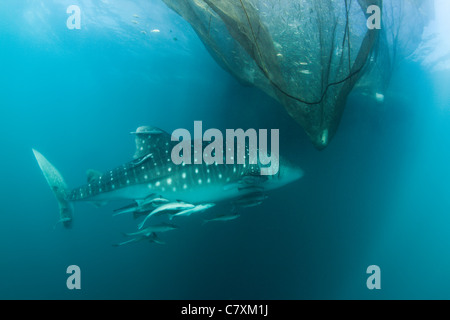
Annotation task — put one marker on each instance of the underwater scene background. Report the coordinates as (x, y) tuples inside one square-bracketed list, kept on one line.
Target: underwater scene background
[(379, 194)]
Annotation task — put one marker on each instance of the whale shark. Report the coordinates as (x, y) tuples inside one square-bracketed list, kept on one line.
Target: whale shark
[(151, 180)]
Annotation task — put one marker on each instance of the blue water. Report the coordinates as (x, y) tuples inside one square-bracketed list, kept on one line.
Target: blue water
[(378, 195)]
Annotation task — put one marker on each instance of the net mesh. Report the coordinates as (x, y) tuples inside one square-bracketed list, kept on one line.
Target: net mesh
[(308, 55)]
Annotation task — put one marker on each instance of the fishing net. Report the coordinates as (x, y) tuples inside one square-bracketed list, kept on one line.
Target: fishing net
[(306, 54)]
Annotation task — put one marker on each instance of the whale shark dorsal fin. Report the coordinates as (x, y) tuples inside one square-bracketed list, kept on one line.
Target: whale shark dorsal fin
[(92, 175), (149, 138)]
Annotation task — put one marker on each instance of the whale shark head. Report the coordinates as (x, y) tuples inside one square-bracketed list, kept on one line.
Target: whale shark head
[(287, 173)]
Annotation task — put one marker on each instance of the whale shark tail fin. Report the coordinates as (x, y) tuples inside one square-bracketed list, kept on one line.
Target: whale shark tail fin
[(58, 186)]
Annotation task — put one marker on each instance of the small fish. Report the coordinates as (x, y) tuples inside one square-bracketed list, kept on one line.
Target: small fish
[(157, 202), (277, 45), (136, 16), (155, 31), (144, 32), (134, 21), (198, 208), (141, 206), (127, 209), (163, 227), (127, 242), (152, 237), (224, 217), (305, 71), (167, 207), (379, 97), (303, 63)]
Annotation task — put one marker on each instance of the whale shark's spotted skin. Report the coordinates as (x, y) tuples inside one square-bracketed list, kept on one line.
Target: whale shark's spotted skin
[(155, 173)]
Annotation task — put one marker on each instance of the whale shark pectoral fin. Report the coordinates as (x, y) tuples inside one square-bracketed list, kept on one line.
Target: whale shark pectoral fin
[(92, 175), (149, 139)]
